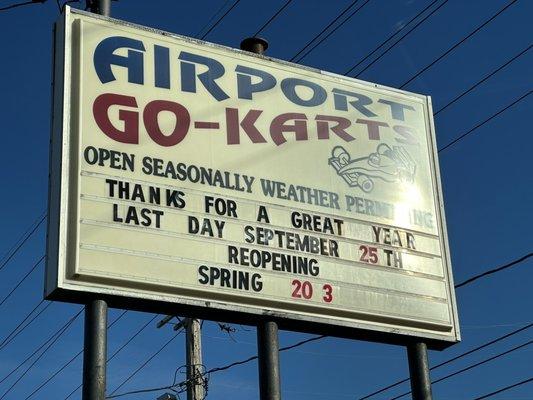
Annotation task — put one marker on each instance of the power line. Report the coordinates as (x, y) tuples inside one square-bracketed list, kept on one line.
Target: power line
[(457, 44), (21, 241), (493, 271), (331, 32), (54, 375), (21, 281), (70, 322), (117, 319), (402, 37), (486, 396), (273, 17), (325, 29), (142, 366), (466, 353), (157, 389), (38, 349), (298, 344), (252, 358), (485, 121), (220, 19), (472, 366), (43, 384), (26, 3), (212, 370), (483, 79), (468, 281), (213, 17), (15, 332), (132, 337), (118, 350), (390, 37), (38, 220)]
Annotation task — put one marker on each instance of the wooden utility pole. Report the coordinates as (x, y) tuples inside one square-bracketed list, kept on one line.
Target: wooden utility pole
[(193, 347), (193, 354)]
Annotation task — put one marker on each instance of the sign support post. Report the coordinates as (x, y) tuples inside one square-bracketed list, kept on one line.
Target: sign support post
[(95, 350), (417, 354), (268, 353), (267, 331), (95, 334)]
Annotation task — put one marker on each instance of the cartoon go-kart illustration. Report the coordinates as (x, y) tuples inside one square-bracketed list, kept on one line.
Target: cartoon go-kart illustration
[(390, 165)]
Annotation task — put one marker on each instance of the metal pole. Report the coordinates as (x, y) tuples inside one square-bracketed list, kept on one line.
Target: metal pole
[(268, 352), (417, 353), (193, 347), (95, 350), (267, 331), (102, 7), (95, 335)]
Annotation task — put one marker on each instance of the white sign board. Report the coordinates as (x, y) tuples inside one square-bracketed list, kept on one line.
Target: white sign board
[(189, 173)]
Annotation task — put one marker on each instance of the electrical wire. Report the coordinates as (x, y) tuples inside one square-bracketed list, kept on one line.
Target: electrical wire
[(485, 121), (331, 32), (48, 347), (220, 19), (480, 347), (483, 79), (15, 332), (213, 17), (37, 349), (118, 351), (390, 37), (495, 270), (117, 319), (272, 18), (36, 390), (26, 3), (3, 343), (298, 344), (402, 37), (472, 366), (325, 29), (279, 11), (212, 370), (21, 242), (21, 281), (57, 372), (38, 220), (486, 396), (142, 366), (460, 42), (157, 389), (132, 337)]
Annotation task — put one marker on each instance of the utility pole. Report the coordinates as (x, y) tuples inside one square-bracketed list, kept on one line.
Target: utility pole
[(95, 330), (417, 354), (193, 355), (193, 345), (267, 331)]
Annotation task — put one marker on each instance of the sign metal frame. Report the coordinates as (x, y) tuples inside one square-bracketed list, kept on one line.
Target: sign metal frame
[(63, 197)]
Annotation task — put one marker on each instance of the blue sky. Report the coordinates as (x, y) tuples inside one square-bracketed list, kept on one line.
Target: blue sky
[(486, 182)]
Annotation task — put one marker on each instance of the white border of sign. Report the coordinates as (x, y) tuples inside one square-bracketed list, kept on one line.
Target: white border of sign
[(62, 236)]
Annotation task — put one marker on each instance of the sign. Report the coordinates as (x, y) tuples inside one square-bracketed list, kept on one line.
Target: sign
[(199, 176)]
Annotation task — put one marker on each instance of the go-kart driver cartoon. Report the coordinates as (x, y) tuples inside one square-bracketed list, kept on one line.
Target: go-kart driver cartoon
[(390, 165)]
